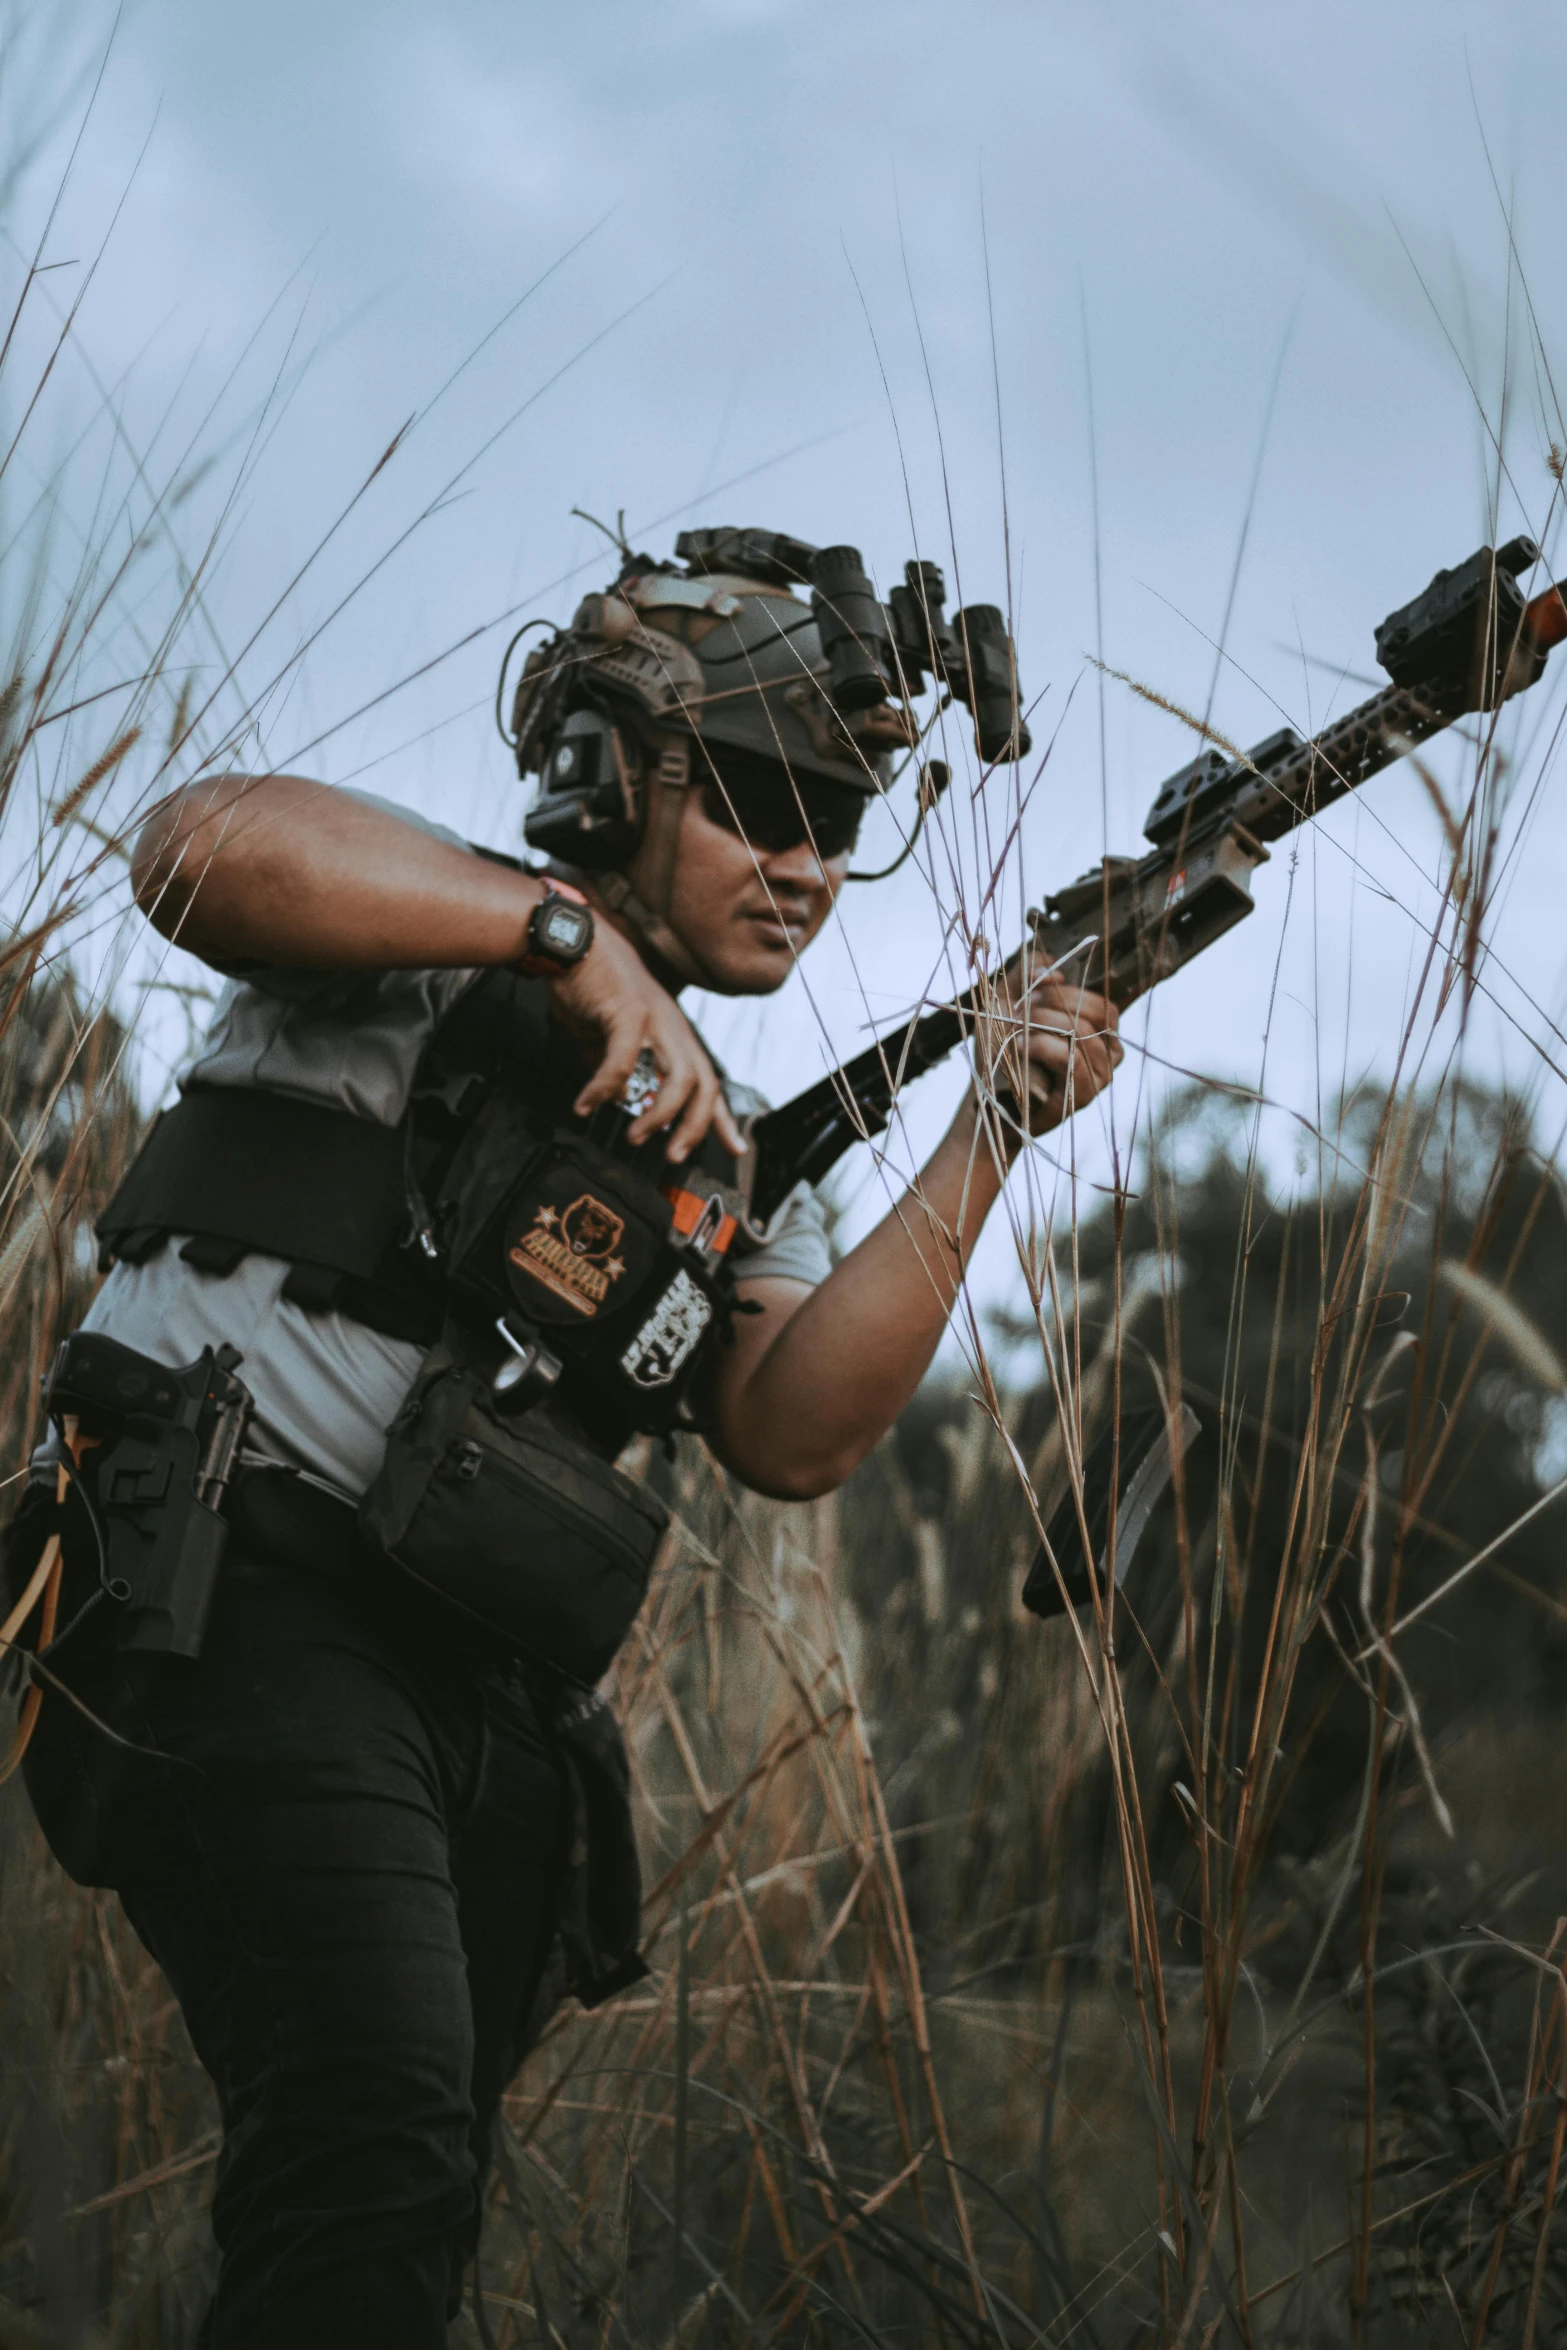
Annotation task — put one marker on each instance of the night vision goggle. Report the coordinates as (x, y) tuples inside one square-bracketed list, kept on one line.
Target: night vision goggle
[(878, 652)]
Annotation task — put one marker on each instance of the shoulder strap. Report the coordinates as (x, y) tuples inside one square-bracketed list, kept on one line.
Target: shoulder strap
[(499, 1031)]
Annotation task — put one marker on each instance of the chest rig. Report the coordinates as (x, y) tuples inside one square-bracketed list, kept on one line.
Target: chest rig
[(567, 1269)]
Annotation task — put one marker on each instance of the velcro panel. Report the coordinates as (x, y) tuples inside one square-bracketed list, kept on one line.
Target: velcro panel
[(283, 1178)]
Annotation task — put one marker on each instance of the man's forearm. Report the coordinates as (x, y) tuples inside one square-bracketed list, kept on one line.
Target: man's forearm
[(277, 869), (838, 1373), (272, 869)]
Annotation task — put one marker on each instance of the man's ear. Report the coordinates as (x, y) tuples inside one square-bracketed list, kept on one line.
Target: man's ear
[(641, 892)]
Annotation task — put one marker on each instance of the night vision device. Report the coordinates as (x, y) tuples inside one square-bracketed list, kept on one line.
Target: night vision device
[(751, 661)]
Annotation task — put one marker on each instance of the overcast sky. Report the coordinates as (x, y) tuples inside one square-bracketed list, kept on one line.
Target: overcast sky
[(862, 262)]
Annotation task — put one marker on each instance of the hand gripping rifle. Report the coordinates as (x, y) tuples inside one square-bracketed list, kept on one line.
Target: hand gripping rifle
[(1467, 644)]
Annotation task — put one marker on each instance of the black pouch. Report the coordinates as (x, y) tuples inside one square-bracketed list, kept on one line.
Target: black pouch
[(525, 1531)]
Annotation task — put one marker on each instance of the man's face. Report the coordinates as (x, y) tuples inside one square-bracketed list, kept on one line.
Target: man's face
[(746, 910)]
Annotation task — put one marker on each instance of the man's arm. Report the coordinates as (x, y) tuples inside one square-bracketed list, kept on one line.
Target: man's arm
[(817, 1378), (276, 869)]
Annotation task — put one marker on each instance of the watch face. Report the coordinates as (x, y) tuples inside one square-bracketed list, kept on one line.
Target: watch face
[(562, 929)]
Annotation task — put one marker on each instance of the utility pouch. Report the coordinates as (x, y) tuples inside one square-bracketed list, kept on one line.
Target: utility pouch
[(577, 1273), (523, 1530), (153, 1450)]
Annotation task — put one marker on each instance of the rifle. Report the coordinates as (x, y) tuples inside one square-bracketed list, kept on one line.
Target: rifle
[(1468, 643)]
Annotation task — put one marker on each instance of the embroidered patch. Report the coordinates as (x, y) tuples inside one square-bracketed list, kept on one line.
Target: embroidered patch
[(669, 1336), (572, 1251)]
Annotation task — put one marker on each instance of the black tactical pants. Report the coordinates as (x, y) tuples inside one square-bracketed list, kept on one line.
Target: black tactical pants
[(348, 1870)]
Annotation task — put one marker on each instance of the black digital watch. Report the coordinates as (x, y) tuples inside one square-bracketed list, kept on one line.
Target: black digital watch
[(559, 932)]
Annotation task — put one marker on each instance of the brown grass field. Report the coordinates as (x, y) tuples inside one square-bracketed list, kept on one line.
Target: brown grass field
[(1186, 1974)]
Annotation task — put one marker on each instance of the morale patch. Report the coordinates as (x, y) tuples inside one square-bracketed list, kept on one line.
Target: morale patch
[(571, 1251), (669, 1336)]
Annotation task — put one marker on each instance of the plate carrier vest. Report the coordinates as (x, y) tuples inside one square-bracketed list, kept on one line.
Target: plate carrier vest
[(488, 1204)]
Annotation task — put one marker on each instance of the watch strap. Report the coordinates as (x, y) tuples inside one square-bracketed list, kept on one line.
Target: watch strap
[(535, 963)]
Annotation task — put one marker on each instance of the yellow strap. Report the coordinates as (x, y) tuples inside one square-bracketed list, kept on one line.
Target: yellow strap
[(29, 1599), (44, 1582)]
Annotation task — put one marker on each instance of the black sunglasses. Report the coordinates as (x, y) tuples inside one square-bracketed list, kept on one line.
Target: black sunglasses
[(772, 813)]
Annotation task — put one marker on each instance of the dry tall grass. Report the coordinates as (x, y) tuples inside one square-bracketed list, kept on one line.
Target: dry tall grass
[(1188, 1974), (998, 2017)]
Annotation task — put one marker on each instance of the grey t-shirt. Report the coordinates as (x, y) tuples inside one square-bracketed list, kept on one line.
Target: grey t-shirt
[(326, 1386)]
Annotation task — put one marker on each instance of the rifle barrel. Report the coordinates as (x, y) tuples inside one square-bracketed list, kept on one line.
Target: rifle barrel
[(1365, 740)]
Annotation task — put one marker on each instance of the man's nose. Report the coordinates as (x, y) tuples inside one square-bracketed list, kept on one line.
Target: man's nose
[(799, 865)]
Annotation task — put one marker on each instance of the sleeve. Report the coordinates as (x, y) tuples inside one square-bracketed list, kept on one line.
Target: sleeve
[(797, 1248)]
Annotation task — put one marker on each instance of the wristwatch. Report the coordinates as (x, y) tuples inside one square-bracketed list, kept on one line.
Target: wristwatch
[(559, 933)]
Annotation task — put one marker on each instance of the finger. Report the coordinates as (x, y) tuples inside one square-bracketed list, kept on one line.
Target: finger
[(1068, 1067), (1104, 1021), (727, 1126), (678, 1074), (683, 1067), (674, 1096), (1091, 1022), (1051, 1056), (1105, 1035), (1088, 1065), (622, 1044), (1092, 1069), (1054, 991), (699, 1115), (705, 1108)]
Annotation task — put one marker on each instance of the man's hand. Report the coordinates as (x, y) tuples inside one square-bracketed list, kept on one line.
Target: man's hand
[(1045, 1045), (815, 1377), (612, 1004)]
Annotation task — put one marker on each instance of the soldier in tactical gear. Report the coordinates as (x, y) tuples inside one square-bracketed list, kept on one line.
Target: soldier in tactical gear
[(370, 1832)]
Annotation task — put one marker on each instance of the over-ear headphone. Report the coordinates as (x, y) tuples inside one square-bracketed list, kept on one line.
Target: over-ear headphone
[(588, 810)]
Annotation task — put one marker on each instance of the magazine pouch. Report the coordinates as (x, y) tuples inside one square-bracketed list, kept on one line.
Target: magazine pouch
[(520, 1527)]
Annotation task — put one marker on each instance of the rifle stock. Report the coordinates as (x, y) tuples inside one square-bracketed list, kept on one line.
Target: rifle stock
[(1134, 921)]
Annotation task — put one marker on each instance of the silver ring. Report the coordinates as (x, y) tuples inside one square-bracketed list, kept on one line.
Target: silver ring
[(643, 1087)]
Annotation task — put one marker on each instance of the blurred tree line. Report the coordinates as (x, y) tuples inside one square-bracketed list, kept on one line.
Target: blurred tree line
[(1226, 1281)]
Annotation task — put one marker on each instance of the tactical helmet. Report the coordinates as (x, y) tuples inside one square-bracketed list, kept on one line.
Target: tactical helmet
[(681, 668)]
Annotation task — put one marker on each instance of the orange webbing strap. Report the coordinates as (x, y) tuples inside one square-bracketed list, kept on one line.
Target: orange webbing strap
[(43, 1583)]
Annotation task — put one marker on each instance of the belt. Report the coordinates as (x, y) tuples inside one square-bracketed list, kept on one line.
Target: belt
[(277, 1518), (275, 1515)]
